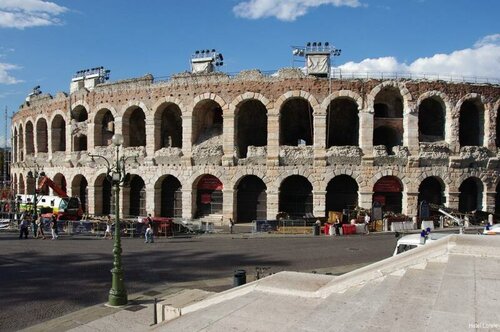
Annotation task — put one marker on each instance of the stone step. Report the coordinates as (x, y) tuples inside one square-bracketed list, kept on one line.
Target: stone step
[(171, 307)]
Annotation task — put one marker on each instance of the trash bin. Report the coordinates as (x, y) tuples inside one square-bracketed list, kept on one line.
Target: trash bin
[(316, 229), (239, 278)]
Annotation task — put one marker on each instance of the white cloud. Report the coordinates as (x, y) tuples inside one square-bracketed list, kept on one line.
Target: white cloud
[(22, 14), (284, 10), (482, 60), (5, 77)]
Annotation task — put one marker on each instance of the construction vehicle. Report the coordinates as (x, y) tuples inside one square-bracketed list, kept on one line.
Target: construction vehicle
[(62, 205)]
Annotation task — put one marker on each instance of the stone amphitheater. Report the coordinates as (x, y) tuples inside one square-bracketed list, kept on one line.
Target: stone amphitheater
[(248, 146)]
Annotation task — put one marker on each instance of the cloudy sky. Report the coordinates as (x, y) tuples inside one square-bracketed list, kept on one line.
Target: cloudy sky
[(45, 42)]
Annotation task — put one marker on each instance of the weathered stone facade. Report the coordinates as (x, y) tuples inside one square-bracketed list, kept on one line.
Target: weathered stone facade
[(271, 127)]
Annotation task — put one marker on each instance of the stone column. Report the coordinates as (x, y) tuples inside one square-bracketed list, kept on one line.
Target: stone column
[(187, 131), (319, 202), (124, 201), (410, 203), (453, 199), (489, 127), (273, 139), (272, 204), (187, 203), (410, 127), (150, 141), (228, 140), (319, 140), (490, 201), (150, 199), (92, 205), (366, 132), (365, 199), (90, 137), (228, 202)]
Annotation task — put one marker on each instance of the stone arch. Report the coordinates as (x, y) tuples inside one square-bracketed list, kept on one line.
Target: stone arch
[(78, 105), (471, 194), (348, 94), (296, 196), (251, 199), (136, 193), (60, 180), (207, 195), (307, 173), (168, 196), (103, 195), (278, 104), (388, 191), (250, 123), (405, 181), (207, 118), (58, 132), (134, 124), (240, 174), (104, 124), (430, 100), (405, 93), (22, 187), (471, 120), (214, 97), (42, 135), (15, 144), (341, 193), (432, 189), (79, 125), (21, 142), (342, 119), (296, 122), (79, 188), (167, 124), (29, 132)]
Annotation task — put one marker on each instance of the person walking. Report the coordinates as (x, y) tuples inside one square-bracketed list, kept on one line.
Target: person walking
[(107, 232), (149, 234), (34, 226), (367, 224), (23, 229), (231, 225), (40, 233), (53, 227)]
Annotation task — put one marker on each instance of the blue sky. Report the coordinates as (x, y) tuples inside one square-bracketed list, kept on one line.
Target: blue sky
[(45, 42)]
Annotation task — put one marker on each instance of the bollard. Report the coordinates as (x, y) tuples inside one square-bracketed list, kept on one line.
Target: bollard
[(239, 278), (155, 317)]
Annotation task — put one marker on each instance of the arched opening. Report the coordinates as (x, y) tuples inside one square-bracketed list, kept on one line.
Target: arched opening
[(168, 127), (251, 203), (388, 108), (387, 136), (296, 122), (103, 196), (42, 136), (171, 197), (79, 117), (21, 144), (15, 151), (137, 195), (342, 123), (388, 191), (207, 123), (79, 188), (431, 120), (134, 127), (104, 128), (341, 193), (251, 126), (295, 197), (30, 185), (58, 134), (471, 195), (22, 188), (471, 123), (431, 190), (30, 146), (208, 191), (60, 181), (497, 141)]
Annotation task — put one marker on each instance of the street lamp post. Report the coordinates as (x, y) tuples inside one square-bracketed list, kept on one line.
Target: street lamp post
[(35, 174), (116, 173)]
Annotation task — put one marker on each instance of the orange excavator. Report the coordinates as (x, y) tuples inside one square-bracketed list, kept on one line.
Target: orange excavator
[(62, 205)]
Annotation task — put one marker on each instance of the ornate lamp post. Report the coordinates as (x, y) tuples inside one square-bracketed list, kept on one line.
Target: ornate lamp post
[(116, 173), (35, 174)]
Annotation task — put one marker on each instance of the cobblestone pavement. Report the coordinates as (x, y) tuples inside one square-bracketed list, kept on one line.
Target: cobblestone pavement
[(44, 279)]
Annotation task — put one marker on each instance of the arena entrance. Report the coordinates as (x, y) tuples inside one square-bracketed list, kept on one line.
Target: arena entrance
[(137, 196), (171, 197), (388, 191), (103, 196), (471, 195), (251, 199), (431, 191), (208, 196), (79, 188), (341, 193), (295, 197)]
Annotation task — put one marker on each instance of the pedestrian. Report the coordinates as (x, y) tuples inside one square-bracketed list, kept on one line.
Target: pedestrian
[(107, 232), (39, 223), (231, 225), (23, 229), (53, 227), (367, 224), (34, 225), (338, 226), (149, 234), (149, 220)]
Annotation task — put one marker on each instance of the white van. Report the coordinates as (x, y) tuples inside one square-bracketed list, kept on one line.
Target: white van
[(412, 241)]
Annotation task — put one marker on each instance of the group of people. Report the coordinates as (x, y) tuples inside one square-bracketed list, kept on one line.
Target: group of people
[(37, 226)]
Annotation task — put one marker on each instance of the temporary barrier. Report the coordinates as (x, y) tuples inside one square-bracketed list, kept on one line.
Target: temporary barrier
[(348, 229)]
